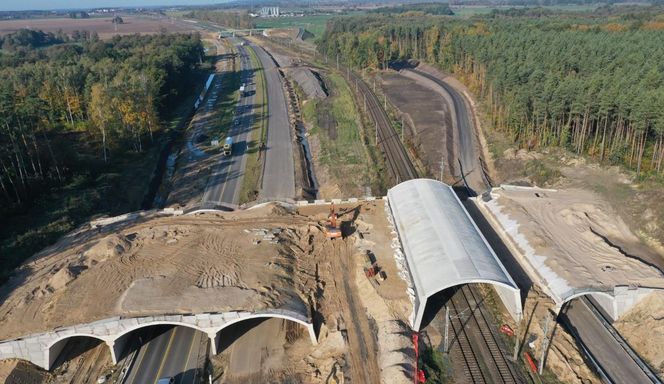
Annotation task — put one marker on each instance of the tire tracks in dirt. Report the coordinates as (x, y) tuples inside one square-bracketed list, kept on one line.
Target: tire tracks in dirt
[(362, 349)]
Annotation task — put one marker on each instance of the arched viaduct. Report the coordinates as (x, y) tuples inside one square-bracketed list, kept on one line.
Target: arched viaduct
[(43, 349)]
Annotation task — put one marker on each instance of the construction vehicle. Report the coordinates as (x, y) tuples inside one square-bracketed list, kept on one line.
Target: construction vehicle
[(332, 230), (228, 146)]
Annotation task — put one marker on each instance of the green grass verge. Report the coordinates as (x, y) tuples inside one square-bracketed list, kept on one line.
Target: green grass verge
[(228, 97), (257, 135), (436, 366), (343, 153)]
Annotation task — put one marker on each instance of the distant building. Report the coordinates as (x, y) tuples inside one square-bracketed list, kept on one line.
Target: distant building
[(269, 12)]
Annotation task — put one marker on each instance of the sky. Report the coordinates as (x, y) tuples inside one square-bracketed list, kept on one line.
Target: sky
[(20, 5)]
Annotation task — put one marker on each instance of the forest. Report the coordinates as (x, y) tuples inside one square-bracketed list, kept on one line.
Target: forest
[(421, 8), (576, 81), (71, 114)]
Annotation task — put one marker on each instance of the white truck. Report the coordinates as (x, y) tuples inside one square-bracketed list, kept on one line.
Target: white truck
[(228, 146)]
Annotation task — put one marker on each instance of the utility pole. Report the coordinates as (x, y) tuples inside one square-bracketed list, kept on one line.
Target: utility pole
[(376, 133), (402, 129), (447, 329), (374, 85), (337, 61), (545, 343), (442, 169), (515, 355), (385, 103), (365, 102)]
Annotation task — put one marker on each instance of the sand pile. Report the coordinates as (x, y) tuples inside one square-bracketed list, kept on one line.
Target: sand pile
[(309, 81), (643, 327), (573, 239), (164, 265)]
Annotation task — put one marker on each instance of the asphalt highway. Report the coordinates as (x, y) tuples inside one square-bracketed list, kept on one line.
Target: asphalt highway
[(279, 171), (172, 352), (602, 346), (225, 182)]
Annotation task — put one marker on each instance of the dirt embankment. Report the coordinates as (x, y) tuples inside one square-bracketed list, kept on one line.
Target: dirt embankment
[(429, 130), (266, 257), (170, 265), (643, 328)]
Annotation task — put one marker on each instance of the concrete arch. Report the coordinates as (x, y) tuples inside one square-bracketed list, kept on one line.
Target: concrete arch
[(591, 293), (55, 347), (309, 326), (510, 296), (40, 347), (603, 299), (154, 323), (119, 341)]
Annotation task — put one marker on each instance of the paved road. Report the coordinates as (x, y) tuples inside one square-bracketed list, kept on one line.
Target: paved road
[(172, 353), (603, 347), (464, 132), (225, 182), (279, 171)]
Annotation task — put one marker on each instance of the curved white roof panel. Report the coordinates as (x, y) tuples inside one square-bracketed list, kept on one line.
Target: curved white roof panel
[(442, 245)]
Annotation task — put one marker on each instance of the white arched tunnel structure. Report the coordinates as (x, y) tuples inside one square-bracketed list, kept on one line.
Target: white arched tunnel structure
[(443, 247), (613, 301), (43, 349)]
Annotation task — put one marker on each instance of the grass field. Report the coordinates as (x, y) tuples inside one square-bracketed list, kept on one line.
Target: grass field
[(342, 151), (314, 24), (252, 172)]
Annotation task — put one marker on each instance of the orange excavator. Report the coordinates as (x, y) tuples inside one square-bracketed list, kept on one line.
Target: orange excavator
[(332, 230)]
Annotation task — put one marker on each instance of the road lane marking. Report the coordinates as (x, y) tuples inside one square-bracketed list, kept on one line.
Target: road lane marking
[(163, 359), (141, 357), (191, 346)]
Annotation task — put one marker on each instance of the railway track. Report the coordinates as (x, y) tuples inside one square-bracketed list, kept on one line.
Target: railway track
[(398, 162), (484, 361), (464, 350)]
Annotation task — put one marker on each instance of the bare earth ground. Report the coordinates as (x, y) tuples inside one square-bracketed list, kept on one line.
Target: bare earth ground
[(573, 239), (643, 327), (424, 115), (102, 25), (20, 372), (265, 257), (165, 265)]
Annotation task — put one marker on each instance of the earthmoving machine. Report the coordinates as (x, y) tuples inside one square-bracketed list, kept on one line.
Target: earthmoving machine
[(332, 230)]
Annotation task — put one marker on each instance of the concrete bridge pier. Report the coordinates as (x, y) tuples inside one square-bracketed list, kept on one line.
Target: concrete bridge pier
[(214, 341)]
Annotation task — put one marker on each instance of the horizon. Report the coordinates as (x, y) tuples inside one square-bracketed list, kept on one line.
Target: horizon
[(66, 5)]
